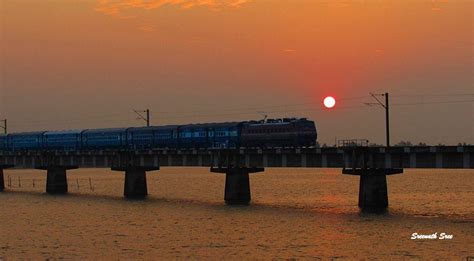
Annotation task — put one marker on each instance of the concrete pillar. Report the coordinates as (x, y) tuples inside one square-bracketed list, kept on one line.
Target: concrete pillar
[(348, 160), (135, 183), (2, 182), (265, 160), (284, 161), (324, 160), (237, 187), (200, 160), (372, 163), (412, 160), (170, 160), (304, 161), (237, 184), (439, 160), (388, 160), (373, 192), (215, 161), (56, 180), (185, 160), (466, 160), (156, 160)]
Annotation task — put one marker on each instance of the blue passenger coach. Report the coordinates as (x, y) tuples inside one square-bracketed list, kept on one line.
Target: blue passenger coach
[(3, 142), (63, 140), (152, 137), (26, 141), (140, 137), (192, 136), (166, 136), (224, 135), (210, 135), (104, 138)]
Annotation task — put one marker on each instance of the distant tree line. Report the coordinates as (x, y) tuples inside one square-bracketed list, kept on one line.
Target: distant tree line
[(422, 144), (399, 144)]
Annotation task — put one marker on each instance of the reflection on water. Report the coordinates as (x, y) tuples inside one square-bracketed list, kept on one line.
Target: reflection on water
[(295, 213)]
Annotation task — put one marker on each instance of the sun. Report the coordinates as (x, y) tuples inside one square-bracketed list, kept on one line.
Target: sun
[(329, 102)]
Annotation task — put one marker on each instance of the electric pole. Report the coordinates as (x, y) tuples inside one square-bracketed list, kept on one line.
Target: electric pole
[(146, 118), (387, 120), (386, 107), (4, 127)]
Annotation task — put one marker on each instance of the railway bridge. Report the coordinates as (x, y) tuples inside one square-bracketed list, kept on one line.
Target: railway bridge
[(372, 164)]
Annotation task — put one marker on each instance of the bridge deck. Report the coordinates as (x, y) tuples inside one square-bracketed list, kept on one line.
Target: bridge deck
[(377, 157)]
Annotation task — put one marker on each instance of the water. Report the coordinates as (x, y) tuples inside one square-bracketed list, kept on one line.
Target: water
[(295, 214)]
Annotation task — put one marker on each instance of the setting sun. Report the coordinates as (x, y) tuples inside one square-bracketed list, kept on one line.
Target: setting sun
[(329, 102)]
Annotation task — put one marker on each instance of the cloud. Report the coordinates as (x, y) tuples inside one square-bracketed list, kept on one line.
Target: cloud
[(146, 28), (118, 7)]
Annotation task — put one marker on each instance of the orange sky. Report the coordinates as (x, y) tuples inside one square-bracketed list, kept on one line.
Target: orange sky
[(88, 64)]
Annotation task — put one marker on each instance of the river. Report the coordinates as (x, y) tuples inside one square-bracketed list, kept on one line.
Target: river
[(294, 214)]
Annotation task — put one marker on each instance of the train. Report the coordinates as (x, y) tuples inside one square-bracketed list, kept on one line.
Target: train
[(269, 133)]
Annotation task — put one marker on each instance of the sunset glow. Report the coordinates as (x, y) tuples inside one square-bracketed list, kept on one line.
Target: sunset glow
[(188, 60), (236, 129)]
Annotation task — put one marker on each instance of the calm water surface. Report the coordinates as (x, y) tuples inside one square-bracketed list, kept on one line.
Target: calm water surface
[(295, 214)]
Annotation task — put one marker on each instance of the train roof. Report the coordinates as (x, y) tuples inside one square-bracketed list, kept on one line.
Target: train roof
[(283, 121), (166, 127), (27, 133), (105, 130), (64, 132), (195, 125), (211, 125)]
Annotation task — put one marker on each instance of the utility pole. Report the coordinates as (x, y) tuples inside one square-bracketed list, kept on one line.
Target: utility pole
[(146, 118), (386, 107), (4, 127), (387, 120)]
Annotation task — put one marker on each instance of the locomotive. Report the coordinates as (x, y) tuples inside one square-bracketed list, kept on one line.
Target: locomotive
[(272, 133)]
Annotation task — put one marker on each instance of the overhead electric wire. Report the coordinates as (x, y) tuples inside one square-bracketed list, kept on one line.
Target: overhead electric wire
[(438, 102), (189, 114), (231, 112), (44, 123), (434, 95), (259, 107)]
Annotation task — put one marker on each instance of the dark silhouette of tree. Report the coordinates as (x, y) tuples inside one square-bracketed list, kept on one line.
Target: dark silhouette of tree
[(404, 144)]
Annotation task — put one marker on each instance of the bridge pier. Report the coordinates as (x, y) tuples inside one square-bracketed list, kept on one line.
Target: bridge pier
[(135, 185), (373, 192), (373, 195), (237, 184), (2, 180), (56, 179)]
